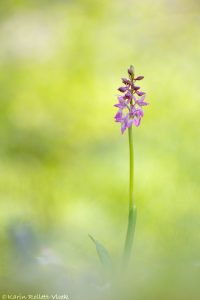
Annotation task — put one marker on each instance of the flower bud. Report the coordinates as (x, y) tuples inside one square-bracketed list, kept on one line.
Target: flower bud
[(140, 93), (131, 71), (126, 81), (136, 88), (122, 89), (139, 78), (128, 96)]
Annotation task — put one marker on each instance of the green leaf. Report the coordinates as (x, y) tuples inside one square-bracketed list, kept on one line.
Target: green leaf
[(103, 254), (130, 233)]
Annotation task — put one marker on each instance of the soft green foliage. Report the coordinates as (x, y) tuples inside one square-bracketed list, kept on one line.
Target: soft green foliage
[(132, 217), (64, 164), (104, 256)]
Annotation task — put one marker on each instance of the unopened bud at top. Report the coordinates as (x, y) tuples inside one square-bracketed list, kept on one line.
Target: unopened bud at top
[(131, 71)]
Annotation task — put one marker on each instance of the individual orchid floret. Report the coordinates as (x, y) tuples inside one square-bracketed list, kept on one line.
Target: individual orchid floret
[(119, 116), (122, 103), (136, 114), (130, 104), (126, 122), (141, 101)]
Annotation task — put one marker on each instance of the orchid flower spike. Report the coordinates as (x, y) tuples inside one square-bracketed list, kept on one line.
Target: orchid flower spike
[(130, 103)]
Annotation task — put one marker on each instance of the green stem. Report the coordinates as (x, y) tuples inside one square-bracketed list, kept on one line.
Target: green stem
[(132, 208), (131, 167)]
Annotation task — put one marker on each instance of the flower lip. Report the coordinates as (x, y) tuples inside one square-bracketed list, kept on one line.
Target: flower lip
[(126, 123), (118, 116), (141, 101)]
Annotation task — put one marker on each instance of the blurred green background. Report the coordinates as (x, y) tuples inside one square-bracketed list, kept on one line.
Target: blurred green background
[(64, 163)]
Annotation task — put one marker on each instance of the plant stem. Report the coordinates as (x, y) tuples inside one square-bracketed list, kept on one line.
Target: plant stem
[(132, 208), (131, 168)]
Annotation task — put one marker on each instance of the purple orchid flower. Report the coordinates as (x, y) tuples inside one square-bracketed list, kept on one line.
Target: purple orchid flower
[(128, 96), (130, 107), (126, 123), (119, 116), (121, 102), (141, 101), (138, 116)]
